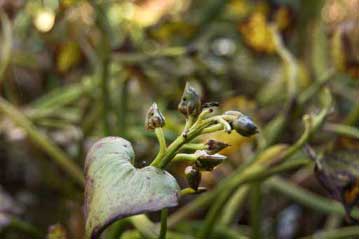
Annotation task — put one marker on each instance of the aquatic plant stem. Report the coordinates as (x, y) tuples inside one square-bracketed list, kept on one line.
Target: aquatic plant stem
[(163, 146), (43, 141), (163, 231)]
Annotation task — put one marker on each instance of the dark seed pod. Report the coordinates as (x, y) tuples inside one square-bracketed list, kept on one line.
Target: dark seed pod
[(215, 146), (154, 118), (242, 123), (190, 104), (193, 176), (208, 162)]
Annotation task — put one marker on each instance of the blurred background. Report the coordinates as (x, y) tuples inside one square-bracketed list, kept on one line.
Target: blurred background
[(73, 71)]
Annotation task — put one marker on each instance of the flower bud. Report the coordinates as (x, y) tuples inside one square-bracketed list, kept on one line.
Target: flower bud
[(193, 176), (190, 104), (154, 118), (215, 146), (242, 123), (208, 162)]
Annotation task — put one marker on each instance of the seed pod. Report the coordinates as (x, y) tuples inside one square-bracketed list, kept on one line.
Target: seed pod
[(190, 104), (242, 123), (154, 118), (193, 176), (208, 162), (215, 146)]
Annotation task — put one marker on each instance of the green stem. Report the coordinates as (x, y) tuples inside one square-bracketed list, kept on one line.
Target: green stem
[(252, 174), (343, 130), (122, 111), (176, 145), (307, 198), (233, 205), (189, 123), (255, 213), (163, 146), (144, 56), (6, 44), (212, 129), (25, 227), (289, 62), (213, 214), (194, 146), (42, 140), (343, 232), (144, 226), (353, 117), (164, 214), (104, 50), (105, 94), (185, 157)]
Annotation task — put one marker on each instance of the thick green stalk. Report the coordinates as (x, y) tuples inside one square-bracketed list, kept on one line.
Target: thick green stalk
[(176, 145), (42, 140), (163, 231), (144, 225)]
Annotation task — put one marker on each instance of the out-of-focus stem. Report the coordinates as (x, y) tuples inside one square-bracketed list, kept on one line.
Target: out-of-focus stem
[(255, 210), (42, 140), (233, 205), (342, 129)]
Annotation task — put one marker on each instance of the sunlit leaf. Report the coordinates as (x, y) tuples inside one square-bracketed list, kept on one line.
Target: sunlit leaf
[(116, 189)]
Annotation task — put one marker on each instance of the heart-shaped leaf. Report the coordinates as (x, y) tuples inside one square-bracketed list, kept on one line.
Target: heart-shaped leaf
[(116, 189)]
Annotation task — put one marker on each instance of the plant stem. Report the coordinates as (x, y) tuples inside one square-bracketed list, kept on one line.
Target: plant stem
[(163, 146), (176, 145), (255, 213), (307, 198), (343, 232), (6, 44), (233, 205), (164, 214), (122, 111), (289, 61), (105, 94), (253, 174), (43, 141), (104, 50), (213, 214), (194, 146), (144, 226), (343, 130), (25, 227), (185, 157)]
